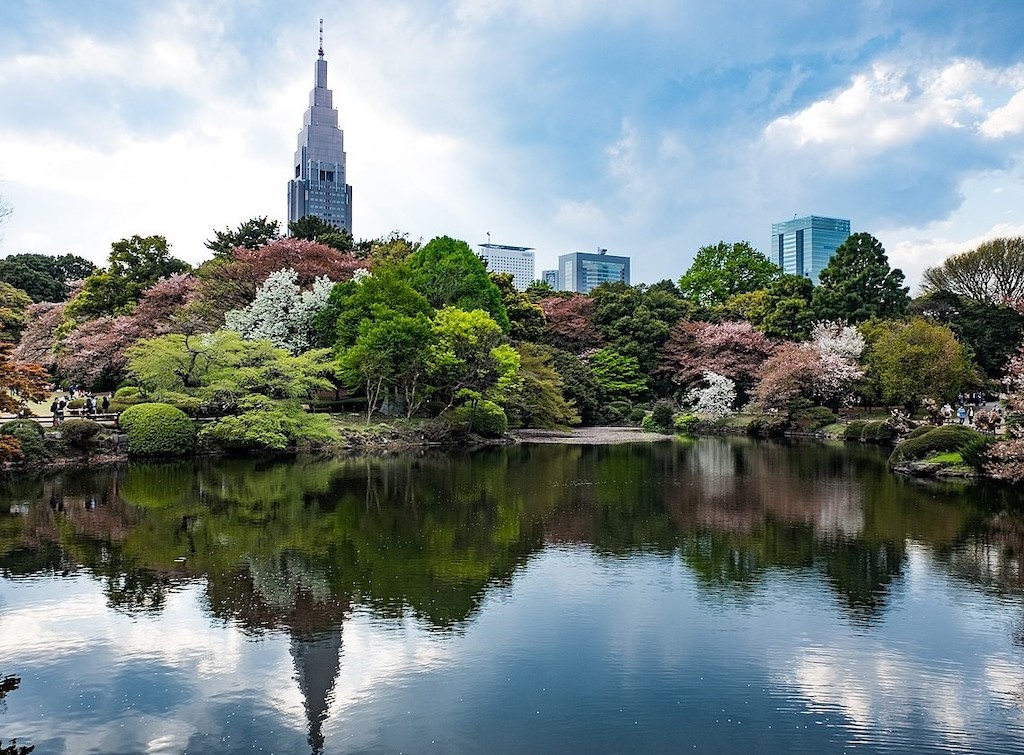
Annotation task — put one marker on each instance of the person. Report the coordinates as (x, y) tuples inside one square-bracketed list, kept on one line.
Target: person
[(106, 404), (58, 415), (961, 414), (947, 413), (970, 414)]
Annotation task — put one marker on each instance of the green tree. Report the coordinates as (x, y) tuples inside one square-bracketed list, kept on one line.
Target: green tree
[(724, 270), (526, 319), (469, 352), (636, 320), (858, 284), (312, 228), (783, 310), (991, 331), (392, 250), (619, 376), (991, 274), (541, 401), (449, 274), (910, 360), (13, 303), (44, 277), (579, 386), (143, 260), (251, 234)]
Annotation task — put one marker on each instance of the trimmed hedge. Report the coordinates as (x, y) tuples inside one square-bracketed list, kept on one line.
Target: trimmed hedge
[(30, 435), (79, 434), (157, 430), (768, 426), (487, 419), (952, 438), (854, 429), (810, 418)]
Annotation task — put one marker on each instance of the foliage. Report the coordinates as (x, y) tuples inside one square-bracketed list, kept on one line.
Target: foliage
[(1006, 457), (935, 440), (526, 319), (858, 284), (231, 281), (808, 418), (991, 331), (20, 381), (569, 323), (29, 436), (44, 277), (449, 274), (724, 270), (40, 333), (732, 349), (541, 401), (783, 310), (281, 312), (854, 429), (716, 399), (157, 430), (469, 352), (79, 434), (975, 453), (351, 303), (637, 320), (313, 228), (10, 448), (768, 426), (391, 250), (482, 417), (13, 304), (878, 431), (662, 413), (991, 274), (618, 376), (685, 424), (910, 360), (578, 385), (267, 425), (251, 234)]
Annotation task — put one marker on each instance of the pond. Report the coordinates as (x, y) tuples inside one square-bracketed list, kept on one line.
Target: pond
[(720, 595)]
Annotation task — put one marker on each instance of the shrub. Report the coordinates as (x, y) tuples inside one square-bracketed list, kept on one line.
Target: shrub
[(686, 424), (854, 429), (157, 430), (975, 452), (29, 435), (76, 403), (647, 423), (266, 424), (936, 440), (617, 411), (879, 431), (810, 418), (767, 426), (127, 393), (919, 431), (636, 416), (79, 434), (662, 413), (486, 418)]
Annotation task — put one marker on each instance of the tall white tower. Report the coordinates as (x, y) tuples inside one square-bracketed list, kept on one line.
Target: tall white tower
[(319, 187)]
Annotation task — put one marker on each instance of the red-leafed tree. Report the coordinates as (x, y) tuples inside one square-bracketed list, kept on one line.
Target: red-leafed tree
[(231, 282), (735, 350), (20, 381), (570, 324)]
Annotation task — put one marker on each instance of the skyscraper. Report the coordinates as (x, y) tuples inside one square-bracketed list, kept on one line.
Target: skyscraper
[(582, 272), (517, 260), (803, 246), (319, 187)]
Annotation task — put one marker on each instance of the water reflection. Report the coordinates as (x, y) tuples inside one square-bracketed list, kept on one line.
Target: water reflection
[(311, 548)]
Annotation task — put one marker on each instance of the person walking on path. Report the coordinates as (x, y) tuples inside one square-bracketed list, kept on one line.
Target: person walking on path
[(961, 414)]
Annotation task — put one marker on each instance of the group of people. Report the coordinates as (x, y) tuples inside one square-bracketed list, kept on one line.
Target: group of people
[(89, 408), (971, 410)]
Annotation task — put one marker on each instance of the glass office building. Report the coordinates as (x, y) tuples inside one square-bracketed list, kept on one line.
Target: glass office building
[(582, 271), (804, 246), (517, 260), (319, 185)]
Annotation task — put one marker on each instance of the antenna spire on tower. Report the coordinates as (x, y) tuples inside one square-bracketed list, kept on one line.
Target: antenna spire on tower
[(321, 37)]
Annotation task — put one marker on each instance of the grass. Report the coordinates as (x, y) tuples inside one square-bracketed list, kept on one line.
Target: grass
[(950, 457)]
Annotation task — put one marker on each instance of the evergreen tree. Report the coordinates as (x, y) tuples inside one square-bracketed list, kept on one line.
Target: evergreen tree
[(857, 284)]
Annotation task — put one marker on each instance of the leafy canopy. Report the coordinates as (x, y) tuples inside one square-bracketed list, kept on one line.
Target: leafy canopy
[(724, 270), (857, 284)]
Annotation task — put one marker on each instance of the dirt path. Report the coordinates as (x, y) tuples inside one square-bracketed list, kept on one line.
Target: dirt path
[(589, 436)]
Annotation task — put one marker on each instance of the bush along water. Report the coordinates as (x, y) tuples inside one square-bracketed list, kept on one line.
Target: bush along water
[(157, 430), (929, 441)]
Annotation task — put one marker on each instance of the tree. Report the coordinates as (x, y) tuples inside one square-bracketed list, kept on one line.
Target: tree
[(858, 284), (618, 376), (991, 331), (449, 274), (526, 319), (991, 274), (469, 353), (716, 399), (312, 228), (40, 334), (541, 401), (393, 249), (724, 270), (636, 320), (732, 349), (251, 234), (910, 360), (282, 313), (13, 303), (783, 310), (1006, 457), (569, 323), (20, 381), (44, 277), (143, 260), (579, 386)]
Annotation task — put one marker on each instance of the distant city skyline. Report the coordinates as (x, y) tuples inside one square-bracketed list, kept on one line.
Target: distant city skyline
[(582, 272), (560, 126)]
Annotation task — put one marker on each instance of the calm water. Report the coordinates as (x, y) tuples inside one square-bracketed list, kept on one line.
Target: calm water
[(717, 596)]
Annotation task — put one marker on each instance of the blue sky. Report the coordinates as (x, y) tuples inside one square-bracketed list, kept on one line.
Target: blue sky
[(647, 128)]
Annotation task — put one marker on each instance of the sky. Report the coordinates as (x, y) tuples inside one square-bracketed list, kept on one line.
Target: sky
[(649, 128)]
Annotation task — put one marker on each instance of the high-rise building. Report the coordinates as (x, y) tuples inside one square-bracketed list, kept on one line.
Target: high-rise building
[(803, 246), (517, 260), (319, 187), (550, 277), (583, 271)]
